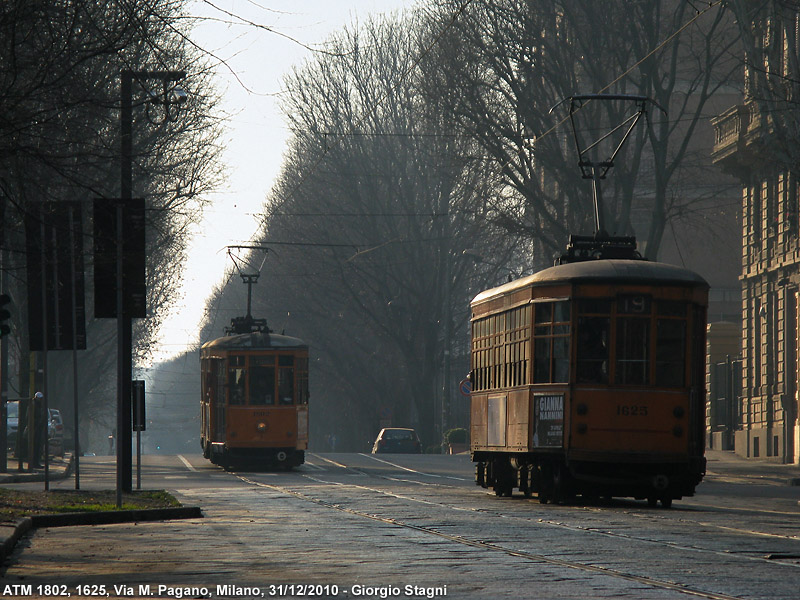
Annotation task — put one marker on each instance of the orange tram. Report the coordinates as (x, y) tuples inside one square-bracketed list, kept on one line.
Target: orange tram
[(254, 408), (588, 378)]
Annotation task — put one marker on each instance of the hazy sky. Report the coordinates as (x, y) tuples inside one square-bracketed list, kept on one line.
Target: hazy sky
[(256, 135)]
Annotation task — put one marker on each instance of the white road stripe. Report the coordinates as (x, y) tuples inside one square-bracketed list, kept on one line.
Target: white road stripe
[(186, 462), (412, 470)]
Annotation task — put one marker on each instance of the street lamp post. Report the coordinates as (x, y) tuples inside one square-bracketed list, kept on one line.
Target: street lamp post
[(125, 321)]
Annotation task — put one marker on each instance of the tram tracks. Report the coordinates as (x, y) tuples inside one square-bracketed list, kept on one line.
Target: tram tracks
[(505, 547), (648, 515)]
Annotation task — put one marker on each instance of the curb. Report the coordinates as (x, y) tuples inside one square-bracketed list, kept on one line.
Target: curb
[(7, 545), (25, 525), (116, 516)]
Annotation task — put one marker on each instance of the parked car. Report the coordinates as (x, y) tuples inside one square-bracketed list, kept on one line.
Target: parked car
[(397, 440), (12, 424), (55, 433)]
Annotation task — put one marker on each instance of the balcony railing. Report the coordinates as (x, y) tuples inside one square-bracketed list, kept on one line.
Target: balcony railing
[(730, 126)]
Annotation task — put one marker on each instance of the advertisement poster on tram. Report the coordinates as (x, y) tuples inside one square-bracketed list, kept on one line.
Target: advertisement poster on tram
[(549, 420)]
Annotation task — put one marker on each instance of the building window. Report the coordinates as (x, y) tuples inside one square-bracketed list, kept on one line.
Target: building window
[(769, 206), (790, 204), (752, 206), (757, 341)]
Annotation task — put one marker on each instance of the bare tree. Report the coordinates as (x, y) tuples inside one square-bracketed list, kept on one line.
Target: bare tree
[(378, 201), (511, 61), (60, 67)]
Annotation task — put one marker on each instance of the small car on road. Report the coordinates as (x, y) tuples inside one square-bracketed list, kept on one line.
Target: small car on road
[(12, 424), (397, 440), (55, 433)]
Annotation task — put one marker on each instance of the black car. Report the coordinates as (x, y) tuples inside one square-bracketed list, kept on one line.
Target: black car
[(55, 433), (397, 440), (12, 424)]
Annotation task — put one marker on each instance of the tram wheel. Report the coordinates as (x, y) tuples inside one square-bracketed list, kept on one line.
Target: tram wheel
[(561, 485), (666, 502), (501, 491), (652, 502)]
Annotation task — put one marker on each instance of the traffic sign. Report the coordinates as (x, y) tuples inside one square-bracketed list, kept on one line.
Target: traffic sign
[(465, 387)]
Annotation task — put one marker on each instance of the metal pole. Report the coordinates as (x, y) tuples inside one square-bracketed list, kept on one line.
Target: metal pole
[(124, 321), (45, 325), (120, 359), (123, 354), (444, 211), (138, 460), (76, 446), (4, 362)]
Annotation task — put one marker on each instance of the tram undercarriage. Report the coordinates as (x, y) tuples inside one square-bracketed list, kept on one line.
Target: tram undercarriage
[(557, 480), (254, 458)]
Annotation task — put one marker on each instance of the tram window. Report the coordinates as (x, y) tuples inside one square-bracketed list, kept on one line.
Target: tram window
[(671, 352), (551, 342), (302, 380), (262, 380), (633, 342), (561, 357), (593, 349), (286, 386), (541, 360), (302, 387), (218, 367), (236, 382), (561, 312)]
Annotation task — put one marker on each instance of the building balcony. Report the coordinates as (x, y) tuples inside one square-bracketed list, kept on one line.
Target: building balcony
[(736, 132)]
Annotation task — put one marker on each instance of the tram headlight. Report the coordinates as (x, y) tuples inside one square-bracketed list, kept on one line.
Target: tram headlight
[(261, 427)]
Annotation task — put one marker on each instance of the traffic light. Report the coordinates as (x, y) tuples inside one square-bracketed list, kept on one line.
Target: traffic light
[(5, 315)]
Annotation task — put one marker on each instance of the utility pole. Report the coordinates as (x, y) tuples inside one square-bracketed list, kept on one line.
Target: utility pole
[(123, 313)]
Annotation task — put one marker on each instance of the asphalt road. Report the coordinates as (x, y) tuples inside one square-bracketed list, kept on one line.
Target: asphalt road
[(354, 525)]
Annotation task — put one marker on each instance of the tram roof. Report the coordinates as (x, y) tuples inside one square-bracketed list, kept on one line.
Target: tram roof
[(601, 271), (256, 340)]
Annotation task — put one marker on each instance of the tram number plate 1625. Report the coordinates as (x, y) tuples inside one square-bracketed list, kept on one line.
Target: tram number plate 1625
[(632, 410)]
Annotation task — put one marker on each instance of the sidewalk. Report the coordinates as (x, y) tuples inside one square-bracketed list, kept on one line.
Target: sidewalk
[(729, 464), (59, 468)]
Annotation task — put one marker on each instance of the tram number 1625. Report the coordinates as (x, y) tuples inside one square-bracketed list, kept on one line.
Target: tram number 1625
[(634, 410)]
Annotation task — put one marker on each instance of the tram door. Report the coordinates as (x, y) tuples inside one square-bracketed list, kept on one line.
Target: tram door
[(218, 375)]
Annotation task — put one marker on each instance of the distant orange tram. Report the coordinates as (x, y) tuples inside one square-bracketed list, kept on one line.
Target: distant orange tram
[(254, 397)]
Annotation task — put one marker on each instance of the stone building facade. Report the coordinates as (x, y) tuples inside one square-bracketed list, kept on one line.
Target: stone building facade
[(751, 143)]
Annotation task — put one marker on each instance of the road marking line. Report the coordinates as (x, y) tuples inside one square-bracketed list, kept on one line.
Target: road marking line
[(333, 462), (313, 467), (386, 462), (186, 462)]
